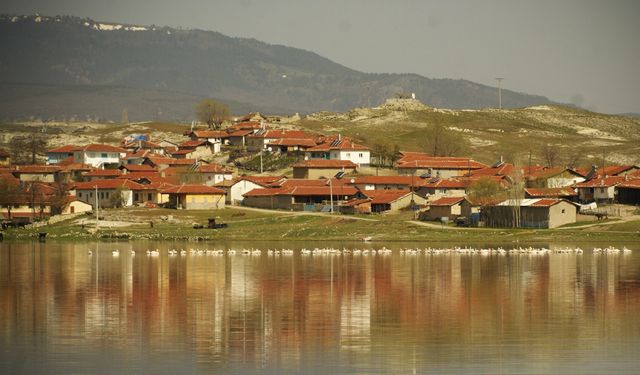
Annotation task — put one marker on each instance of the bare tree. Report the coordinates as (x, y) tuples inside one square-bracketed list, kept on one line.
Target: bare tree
[(26, 149), (11, 192), (573, 157), (550, 154), (60, 198), (486, 191), (212, 113), (442, 141)]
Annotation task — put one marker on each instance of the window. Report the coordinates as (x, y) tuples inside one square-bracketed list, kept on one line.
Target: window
[(563, 210), (360, 154), (348, 154), (104, 155), (149, 196), (602, 190), (91, 195), (79, 194), (135, 196)]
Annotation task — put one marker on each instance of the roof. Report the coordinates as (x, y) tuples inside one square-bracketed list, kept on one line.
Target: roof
[(239, 133), (536, 202), (138, 175), (324, 163), (614, 170), (601, 182), (356, 201), (277, 133), (182, 152), (407, 156), (630, 184), (339, 143), (103, 173), (137, 167), (547, 172), (95, 147), (109, 184), (442, 163), (193, 189), (503, 169), (209, 133), (245, 125), (447, 201), (170, 161), (388, 180), (212, 168), (385, 196), (261, 180), (447, 183), (305, 142), (36, 168), (550, 192), (303, 191), (63, 150), (192, 144)]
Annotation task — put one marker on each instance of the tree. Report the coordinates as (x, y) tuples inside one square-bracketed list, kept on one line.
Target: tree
[(442, 141), (117, 198), (26, 149), (60, 198), (11, 192), (211, 112), (486, 191), (550, 154)]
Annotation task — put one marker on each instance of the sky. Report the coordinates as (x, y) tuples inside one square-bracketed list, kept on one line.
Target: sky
[(584, 52)]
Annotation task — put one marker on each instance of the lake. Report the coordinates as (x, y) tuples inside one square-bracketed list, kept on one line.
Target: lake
[(63, 310)]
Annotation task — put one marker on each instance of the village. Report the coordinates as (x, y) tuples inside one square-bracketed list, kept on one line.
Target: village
[(330, 174)]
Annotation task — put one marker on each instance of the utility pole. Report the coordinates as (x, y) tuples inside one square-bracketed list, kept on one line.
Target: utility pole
[(331, 194), (96, 207), (499, 79)]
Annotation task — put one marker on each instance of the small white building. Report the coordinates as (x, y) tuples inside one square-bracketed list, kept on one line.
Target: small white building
[(106, 191), (245, 184), (98, 155)]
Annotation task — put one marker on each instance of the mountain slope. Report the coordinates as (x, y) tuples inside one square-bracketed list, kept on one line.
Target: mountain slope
[(73, 51)]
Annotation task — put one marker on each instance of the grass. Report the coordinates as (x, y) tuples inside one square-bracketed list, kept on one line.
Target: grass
[(250, 225)]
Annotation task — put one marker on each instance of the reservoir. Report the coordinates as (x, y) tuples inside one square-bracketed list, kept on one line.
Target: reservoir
[(196, 308)]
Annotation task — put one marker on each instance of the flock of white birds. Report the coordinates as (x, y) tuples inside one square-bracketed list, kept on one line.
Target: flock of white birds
[(383, 251)]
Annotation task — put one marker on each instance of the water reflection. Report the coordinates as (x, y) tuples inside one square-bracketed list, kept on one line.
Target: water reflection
[(63, 310)]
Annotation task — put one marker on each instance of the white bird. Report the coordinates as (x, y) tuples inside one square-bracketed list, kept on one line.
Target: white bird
[(115, 253)]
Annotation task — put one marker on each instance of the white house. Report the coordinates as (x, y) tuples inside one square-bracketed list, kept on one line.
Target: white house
[(340, 149), (98, 155), (245, 184), (105, 190), (57, 155)]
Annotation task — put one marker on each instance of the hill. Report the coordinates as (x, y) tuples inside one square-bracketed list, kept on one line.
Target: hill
[(74, 55)]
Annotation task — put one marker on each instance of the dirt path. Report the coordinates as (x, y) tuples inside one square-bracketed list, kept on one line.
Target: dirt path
[(602, 224)]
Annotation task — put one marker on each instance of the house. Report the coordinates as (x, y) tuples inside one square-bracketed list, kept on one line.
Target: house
[(197, 149), (391, 200), (339, 148), (207, 174), (289, 145), (57, 155), (110, 193), (436, 188), (134, 145), (299, 198), (244, 184), (101, 174), (131, 168), (446, 207), (42, 173), (600, 189), (26, 209), (322, 168), (555, 177), (532, 213), (261, 139), (195, 197), (566, 192), (611, 170), (387, 182), (161, 163), (98, 155), (629, 191), (438, 166)]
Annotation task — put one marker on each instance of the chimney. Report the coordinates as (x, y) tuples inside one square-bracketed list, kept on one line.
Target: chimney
[(339, 136)]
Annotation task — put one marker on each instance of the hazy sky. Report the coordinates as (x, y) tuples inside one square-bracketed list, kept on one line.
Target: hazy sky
[(581, 51)]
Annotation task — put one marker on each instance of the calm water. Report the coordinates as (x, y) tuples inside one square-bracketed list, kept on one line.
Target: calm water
[(64, 311)]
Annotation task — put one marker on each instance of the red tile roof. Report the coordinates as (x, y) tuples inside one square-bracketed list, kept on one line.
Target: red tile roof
[(138, 175), (170, 161), (442, 163), (601, 182), (212, 168), (192, 144), (385, 196), (408, 156), (447, 201), (108, 184), (336, 143), (389, 180), (209, 134), (546, 202), (324, 163), (137, 167), (103, 173), (550, 192), (630, 184), (193, 189), (182, 152), (290, 142), (276, 133), (47, 169), (63, 150), (95, 147), (304, 191), (503, 169), (261, 180)]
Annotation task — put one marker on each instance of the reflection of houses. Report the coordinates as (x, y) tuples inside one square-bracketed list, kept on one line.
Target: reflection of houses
[(340, 148), (532, 213), (195, 197), (321, 168)]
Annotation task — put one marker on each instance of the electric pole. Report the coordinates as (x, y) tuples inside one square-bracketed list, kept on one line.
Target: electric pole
[(499, 79)]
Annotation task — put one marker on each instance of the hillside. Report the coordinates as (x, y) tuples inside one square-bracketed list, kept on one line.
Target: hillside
[(73, 55), (491, 133)]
